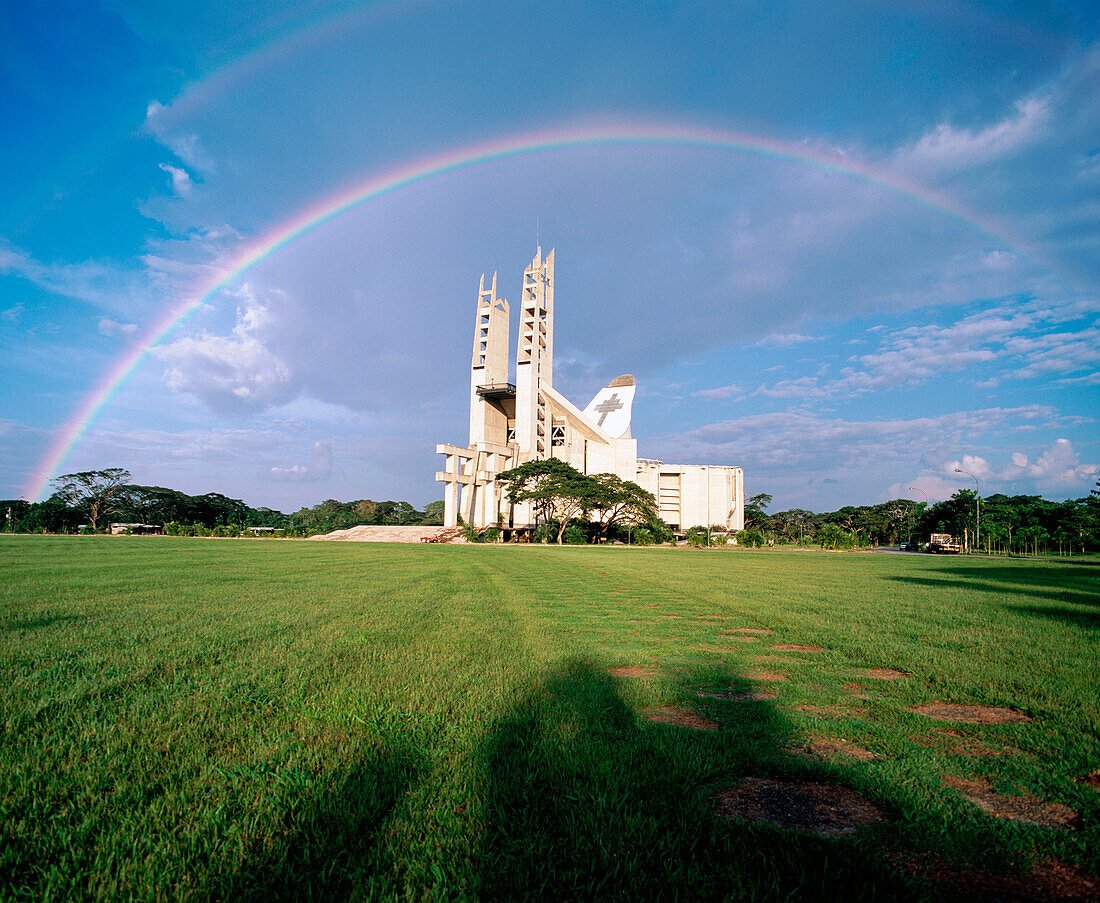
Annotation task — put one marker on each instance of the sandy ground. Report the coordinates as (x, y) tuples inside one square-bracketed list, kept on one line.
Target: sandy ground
[(371, 533)]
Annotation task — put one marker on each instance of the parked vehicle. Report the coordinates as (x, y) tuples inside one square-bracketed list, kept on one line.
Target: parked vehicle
[(943, 544)]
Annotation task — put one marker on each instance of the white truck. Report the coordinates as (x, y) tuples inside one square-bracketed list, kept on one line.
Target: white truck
[(943, 544)]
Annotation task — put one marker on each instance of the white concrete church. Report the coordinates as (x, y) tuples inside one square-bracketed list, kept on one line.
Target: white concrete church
[(515, 422)]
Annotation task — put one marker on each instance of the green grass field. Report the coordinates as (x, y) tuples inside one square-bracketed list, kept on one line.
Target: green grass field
[(208, 719)]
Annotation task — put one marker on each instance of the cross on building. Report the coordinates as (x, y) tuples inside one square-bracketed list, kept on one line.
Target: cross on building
[(607, 407)]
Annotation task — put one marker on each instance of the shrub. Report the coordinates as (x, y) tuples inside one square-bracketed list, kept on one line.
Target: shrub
[(491, 535), (753, 539), (642, 536), (575, 535), (697, 537), (661, 531), (833, 536)]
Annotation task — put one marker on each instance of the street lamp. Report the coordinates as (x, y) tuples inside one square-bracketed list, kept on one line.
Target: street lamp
[(977, 508), (925, 494)]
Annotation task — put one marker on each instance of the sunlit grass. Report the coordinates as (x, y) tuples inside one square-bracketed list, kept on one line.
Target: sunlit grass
[(245, 719)]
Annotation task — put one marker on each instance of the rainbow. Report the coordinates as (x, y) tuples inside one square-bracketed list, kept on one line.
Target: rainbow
[(378, 185)]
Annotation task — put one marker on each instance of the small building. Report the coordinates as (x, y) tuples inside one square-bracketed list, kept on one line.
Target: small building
[(512, 422), (137, 529)]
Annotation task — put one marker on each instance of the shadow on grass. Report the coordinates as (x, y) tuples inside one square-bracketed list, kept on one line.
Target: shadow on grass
[(1034, 582), (1089, 620), (331, 843), (584, 801), (37, 623)]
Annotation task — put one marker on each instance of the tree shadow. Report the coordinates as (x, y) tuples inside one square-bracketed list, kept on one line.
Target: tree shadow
[(332, 844), (37, 623), (1088, 620), (586, 801), (1031, 582)]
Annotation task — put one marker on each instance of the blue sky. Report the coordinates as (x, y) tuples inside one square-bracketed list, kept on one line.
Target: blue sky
[(839, 340)]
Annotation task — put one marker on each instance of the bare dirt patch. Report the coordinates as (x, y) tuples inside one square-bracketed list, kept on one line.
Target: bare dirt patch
[(855, 691), (971, 714), (1091, 780), (1051, 880), (883, 674), (766, 675), (739, 695), (1022, 808), (826, 748), (670, 714), (828, 810), (828, 711), (965, 745), (736, 638), (795, 647), (758, 630), (633, 671)]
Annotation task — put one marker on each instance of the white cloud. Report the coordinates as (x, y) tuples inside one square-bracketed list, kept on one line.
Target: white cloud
[(912, 355), (720, 392), (783, 341), (106, 286), (109, 327), (947, 147), (181, 180), (186, 146), (808, 442), (970, 464), (14, 314), (318, 468), (231, 373), (1063, 352), (1057, 469)]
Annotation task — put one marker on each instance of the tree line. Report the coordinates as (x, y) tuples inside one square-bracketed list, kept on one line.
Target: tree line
[(93, 500), (572, 507), (1019, 524)]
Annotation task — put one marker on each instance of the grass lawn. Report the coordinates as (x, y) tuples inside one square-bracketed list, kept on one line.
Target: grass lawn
[(247, 719)]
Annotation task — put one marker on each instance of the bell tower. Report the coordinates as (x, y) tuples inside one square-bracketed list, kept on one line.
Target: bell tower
[(535, 358)]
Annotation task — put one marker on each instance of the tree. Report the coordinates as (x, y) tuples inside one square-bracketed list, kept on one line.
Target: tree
[(433, 513), (793, 523), (621, 501), (557, 489), (754, 510), (833, 536), (99, 492)]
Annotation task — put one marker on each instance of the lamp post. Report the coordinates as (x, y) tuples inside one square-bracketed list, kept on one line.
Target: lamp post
[(977, 508), (925, 494)]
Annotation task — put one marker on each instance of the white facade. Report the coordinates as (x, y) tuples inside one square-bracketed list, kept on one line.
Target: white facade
[(512, 423)]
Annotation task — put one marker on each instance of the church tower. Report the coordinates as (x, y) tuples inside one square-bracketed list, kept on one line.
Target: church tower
[(535, 359), (489, 370), (511, 424)]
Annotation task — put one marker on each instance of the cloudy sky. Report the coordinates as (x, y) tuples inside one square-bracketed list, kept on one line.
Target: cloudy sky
[(882, 264)]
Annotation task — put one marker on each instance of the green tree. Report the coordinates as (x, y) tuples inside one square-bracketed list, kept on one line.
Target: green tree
[(754, 510), (833, 536), (97, 492), (557, 490), (619, 501), (433, 513)]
